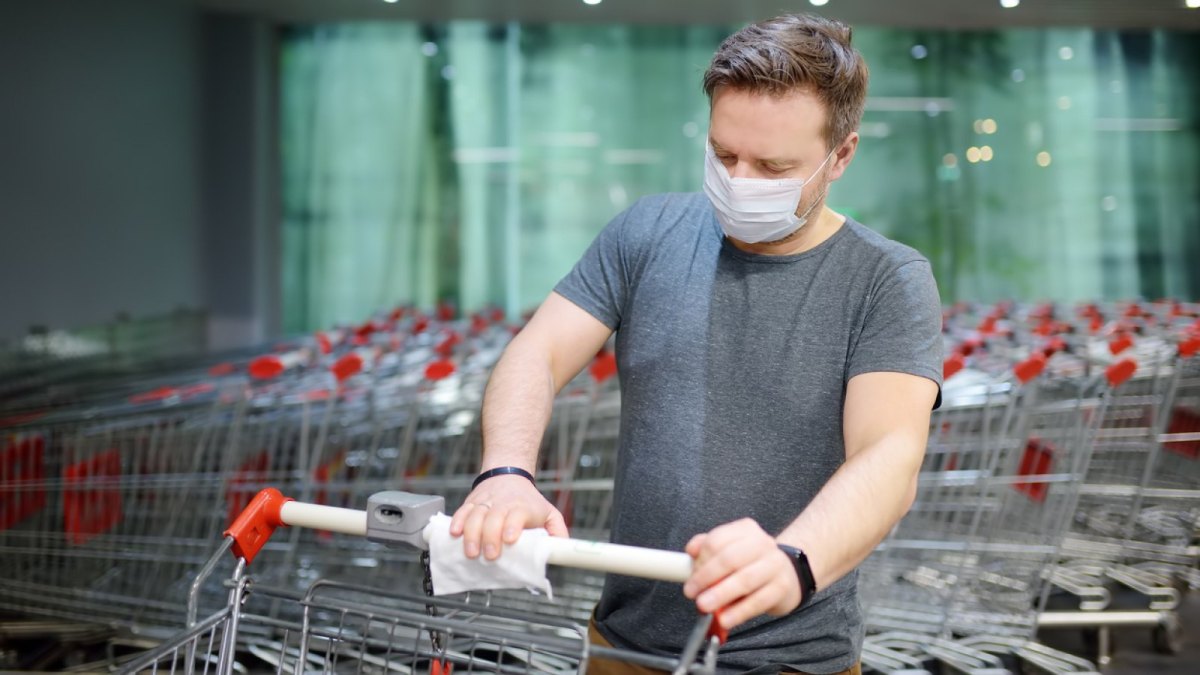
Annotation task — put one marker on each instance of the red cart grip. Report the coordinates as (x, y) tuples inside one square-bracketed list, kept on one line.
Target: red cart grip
[(1189, 347), (1120, 343), (952, 365), (439, 370), (256, 523), (265, 367), (1120, 372), (716, 629), (1030, 367), (349, 365)]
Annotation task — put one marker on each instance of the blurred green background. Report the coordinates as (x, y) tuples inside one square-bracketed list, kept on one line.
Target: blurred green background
[(475, 162)]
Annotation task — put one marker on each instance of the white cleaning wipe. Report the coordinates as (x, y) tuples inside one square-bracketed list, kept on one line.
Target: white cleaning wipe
[(521, 565)]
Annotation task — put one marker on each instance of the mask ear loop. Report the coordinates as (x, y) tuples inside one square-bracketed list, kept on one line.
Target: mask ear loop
[(822, 166), (824, 193), (804, 217)]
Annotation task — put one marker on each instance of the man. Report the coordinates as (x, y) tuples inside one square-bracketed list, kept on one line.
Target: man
[(778, 365)]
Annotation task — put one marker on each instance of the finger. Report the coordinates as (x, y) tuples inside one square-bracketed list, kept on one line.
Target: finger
[(740, 534), (740, 583), (514, 522), (735, 532), (473, 529), (460, 519), (746, 608), (493, 526), (699, 549), (714, 566), (556, 525)]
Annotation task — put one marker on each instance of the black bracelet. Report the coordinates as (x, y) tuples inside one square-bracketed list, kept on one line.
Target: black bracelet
[(799, 559), (501, 471)]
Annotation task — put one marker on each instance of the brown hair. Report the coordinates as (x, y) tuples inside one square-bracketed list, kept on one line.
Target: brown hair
[(796, 52)]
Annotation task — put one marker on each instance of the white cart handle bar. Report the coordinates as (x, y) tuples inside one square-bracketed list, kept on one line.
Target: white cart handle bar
[(401, 517)]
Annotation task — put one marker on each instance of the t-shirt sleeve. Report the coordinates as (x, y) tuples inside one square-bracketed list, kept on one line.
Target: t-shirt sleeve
[(599, 282), (902, 330)]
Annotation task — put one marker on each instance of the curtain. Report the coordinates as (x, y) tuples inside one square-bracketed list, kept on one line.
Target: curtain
[(556, 129), (474, 162), (1090, 191), (362, 224)]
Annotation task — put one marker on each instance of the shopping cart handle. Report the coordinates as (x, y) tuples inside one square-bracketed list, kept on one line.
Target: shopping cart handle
[(256, 523), (634, 561), (400, 517)]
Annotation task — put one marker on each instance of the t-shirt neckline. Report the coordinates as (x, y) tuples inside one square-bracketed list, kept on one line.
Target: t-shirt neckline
[(778, 259)]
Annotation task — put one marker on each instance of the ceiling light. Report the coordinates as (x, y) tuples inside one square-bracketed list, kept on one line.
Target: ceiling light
[(985, 153), (591, 2), (1043, 159), (1009, 4), (1193, 4), (1066, 53), (818, 3), (973, 154), (988, 126)]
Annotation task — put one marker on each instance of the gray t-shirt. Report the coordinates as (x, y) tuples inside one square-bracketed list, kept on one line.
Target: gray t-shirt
[(733, 370)]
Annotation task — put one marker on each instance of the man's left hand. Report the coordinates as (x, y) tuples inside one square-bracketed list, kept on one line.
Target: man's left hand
[(740, 571)]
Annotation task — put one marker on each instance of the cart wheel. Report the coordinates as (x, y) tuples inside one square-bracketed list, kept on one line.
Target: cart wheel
[(1168, 636)]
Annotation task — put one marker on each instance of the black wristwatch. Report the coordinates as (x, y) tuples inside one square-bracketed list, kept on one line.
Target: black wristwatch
[(808, 585)]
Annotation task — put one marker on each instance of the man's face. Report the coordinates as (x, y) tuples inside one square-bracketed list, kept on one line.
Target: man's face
[(762, 136)]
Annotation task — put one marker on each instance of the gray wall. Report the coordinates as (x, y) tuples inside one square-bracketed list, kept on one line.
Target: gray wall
[(239, 180), (134, 161)]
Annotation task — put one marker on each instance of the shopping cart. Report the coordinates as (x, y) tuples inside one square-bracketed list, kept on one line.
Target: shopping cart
[(333, 627), (1131, 553), (960, 580), (106, 504), (100, 514)]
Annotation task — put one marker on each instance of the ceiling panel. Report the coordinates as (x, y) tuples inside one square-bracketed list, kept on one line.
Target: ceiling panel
[(900, 13)]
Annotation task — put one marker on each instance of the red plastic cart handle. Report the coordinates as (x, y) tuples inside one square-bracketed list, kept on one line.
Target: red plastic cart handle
[(349, 365), (439, 370), (1120, 344), (1030, 367), (1120, 372), (1189, 347), (256, 523), (716, 629), (952, 365), (266, 367)]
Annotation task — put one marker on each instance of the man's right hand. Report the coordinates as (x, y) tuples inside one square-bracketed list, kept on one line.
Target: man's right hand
[(498, 510)]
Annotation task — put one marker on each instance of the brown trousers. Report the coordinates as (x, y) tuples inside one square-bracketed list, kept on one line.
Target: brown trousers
[(610, 667)]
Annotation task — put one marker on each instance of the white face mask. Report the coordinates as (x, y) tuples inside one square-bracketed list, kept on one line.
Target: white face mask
[(755, 210)]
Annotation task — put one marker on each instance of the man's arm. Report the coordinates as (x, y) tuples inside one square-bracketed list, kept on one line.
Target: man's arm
[(557, 343), (738, 567)]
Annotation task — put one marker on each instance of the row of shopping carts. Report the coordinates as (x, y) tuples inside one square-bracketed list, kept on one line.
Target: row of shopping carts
[(1060, 489), (1060, 482), (109, 502), (49, 365)]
